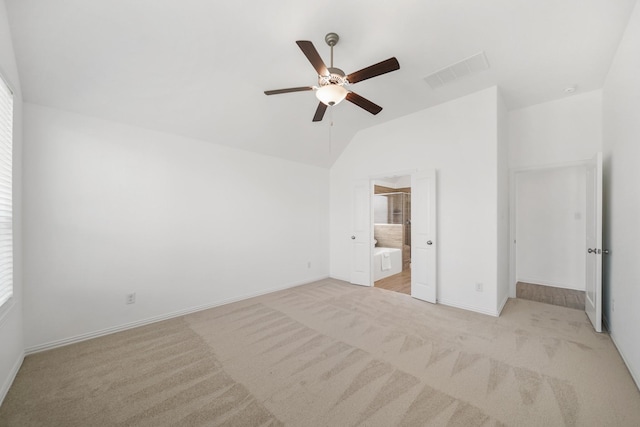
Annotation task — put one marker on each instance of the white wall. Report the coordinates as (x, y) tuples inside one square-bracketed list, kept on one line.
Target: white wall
[(11, 334), (459, 140), (621, 99), (112, 209), (562, 131), (551, 229)]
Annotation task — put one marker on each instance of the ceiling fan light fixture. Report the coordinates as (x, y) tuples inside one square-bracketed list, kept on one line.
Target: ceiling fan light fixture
[(331, 94)]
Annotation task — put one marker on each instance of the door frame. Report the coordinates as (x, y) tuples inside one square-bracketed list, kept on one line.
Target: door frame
[(372, 178), (513, 173)]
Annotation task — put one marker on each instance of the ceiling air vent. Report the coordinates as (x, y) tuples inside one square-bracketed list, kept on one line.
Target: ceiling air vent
[(470, 65)]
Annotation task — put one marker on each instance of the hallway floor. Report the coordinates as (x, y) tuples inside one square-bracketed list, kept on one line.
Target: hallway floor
[(550, 295), (400, 282)]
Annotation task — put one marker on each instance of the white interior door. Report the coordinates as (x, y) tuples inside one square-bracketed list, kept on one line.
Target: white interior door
[(361, 233), (423, 235), (593, 251)]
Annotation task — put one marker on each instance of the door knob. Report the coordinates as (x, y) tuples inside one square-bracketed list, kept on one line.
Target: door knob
[(605, 251), (429, 242), (353, 237), (591, 251)]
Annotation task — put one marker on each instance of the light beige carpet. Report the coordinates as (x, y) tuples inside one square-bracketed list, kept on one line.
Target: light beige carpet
[(333, 354)]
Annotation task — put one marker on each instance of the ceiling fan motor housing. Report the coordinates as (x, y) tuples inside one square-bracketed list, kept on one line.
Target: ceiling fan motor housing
[(336, 77)]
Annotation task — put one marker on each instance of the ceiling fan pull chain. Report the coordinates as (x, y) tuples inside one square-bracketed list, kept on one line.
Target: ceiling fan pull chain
[(330, 133)]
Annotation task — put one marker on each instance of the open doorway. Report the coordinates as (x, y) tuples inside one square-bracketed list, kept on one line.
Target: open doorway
[(422, 258), (391, 255), (557, 225), (550, 228)]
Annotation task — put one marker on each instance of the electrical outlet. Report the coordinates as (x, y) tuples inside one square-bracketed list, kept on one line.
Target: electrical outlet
[(131, 298), (479, 287), (308, 264), (613, 305)]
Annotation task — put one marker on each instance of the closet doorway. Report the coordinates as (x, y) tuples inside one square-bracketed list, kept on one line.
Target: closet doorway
[(550, 235), (557, 250)]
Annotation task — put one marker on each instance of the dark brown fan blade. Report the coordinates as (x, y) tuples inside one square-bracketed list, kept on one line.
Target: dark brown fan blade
[(320, 112), (374, 70), (291, 89), (313, 56), (363, 103)]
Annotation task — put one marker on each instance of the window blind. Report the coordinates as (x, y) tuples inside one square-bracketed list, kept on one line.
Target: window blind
[(6, 192)]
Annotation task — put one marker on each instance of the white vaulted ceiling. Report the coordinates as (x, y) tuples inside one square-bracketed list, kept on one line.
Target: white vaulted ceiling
[(198, 68)]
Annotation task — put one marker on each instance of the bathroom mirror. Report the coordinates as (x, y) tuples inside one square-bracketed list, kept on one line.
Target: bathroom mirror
[(388, 208)]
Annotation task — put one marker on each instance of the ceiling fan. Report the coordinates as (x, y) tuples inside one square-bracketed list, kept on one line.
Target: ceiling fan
[(332, 81)]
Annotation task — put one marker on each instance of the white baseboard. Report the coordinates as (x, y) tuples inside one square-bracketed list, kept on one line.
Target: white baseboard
[(344, 279), (504, 302), (468, 307), (348, 280), (87, 336), (12, 376), (634, 375)]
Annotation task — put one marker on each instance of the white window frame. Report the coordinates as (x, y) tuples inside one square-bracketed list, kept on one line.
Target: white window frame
[(6, 194)]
